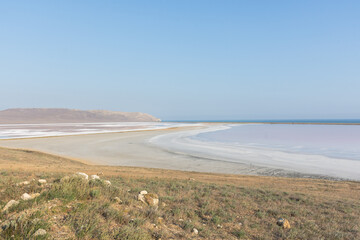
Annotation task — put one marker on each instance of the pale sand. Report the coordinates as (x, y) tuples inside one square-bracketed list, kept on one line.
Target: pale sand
[(131, 149), (134, 149)]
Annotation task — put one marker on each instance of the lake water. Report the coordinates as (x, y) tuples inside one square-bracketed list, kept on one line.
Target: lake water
[(326, 150), (338, 141)]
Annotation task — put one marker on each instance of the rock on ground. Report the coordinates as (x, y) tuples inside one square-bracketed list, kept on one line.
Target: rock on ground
[(27, 196), (143, 192), (34, 195), (40, 232), (10, 204), (94, 177), (141, 197), (107, 182), (282, 222), (42, 181), (83, 175), (152, 199), (23, 183)]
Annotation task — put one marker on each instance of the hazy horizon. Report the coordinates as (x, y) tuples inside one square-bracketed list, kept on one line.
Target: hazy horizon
[(319, 120), (184, 60)]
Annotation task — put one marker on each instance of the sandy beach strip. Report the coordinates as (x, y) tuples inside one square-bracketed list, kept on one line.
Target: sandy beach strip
[(134, 149)]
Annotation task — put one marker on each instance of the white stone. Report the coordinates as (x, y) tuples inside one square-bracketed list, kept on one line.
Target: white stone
[(10, 204), (42, 181), (107, 182), (195, 231), (40, 232), (94, 177), (83, 175), (141, 197), (23, 183), (25, 197)]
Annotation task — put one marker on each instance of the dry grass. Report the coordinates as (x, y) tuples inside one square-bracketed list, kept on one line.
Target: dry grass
[(219, 206)]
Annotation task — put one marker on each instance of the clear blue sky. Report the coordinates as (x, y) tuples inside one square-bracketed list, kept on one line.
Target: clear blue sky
[(184, 59)]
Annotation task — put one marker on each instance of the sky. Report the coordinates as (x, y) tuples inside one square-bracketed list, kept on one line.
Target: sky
[(184, 60)]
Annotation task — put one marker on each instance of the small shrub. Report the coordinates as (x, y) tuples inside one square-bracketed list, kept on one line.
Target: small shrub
[(132, 233), (216, 220), (187, 226), (94, 193), (239, 233), (74, 188)]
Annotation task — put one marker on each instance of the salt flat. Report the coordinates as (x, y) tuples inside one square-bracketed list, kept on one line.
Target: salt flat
[(132, 149), (330, 159), (135, 149)]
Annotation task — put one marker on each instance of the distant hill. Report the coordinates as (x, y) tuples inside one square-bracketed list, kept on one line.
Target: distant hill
[(62, 115)]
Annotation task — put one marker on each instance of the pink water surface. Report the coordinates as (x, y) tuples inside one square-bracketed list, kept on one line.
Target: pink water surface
[(339, 141)]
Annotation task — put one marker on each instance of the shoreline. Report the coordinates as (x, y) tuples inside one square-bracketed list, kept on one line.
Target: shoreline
[(36, 165), (19, 131), (87, 134), (133, 149), (248, 171), (272, 122), (263, 161)]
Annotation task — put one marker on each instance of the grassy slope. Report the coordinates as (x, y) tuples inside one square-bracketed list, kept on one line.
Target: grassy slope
[(219, 206)]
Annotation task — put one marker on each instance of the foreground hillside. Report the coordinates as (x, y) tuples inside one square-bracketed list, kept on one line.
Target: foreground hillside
[(179, 205), (62, 115)]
